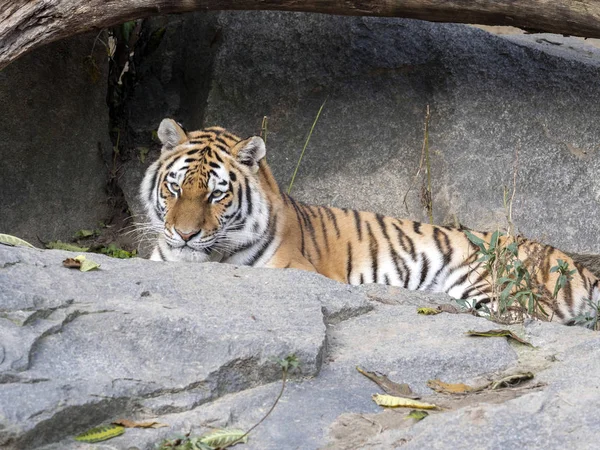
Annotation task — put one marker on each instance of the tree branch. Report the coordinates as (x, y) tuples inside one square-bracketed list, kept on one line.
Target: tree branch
[(27, 24)]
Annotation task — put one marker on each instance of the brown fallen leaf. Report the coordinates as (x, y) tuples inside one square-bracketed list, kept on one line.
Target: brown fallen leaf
[(133, 424), (389, 387), (499, 333), (452, 388), (450, 309), (72, 263), (511, 380)]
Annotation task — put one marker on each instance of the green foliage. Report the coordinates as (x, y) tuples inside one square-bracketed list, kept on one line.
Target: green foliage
[(100, 433), (59, 245), (14, 241), (116, 252), (83, 234), (589, 319), (142, 153), (288, 363), (513, 287), (565, 275)]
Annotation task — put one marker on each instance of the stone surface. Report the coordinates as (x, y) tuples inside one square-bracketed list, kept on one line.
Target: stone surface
[(193, 346), (54, 128), (489, 96)]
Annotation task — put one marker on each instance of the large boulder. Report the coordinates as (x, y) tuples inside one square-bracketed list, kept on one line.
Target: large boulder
[(54, 124), (194, 346), (489, 97)]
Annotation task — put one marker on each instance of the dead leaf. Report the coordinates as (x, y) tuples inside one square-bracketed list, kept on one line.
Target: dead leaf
[(452, 388), (72, 263), (512, 380), (416, 414), (499, 333), (399, 402), (86, 264), (133, 424), (448, 308), (428, 311), (390, 387)]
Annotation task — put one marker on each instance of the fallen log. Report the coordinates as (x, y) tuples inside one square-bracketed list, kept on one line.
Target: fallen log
[(27, 24)]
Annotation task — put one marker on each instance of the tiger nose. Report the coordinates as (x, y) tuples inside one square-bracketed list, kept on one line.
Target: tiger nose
[(186, 236)]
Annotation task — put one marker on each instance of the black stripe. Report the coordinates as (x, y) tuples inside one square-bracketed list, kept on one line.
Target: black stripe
[(160, 253), (213, 164), (374, 250), (222, 183), (357, 223), (232, 176), (193, 152), (222, 147), (311, 230), (213, 173), (248, 197), (406, 243), (386, 279), (266, 244), (295, 206), (424, 270), (417, 227), (458, 282), (218, 158), (331, 216), (323, 228), (349, 263), (362, 279)]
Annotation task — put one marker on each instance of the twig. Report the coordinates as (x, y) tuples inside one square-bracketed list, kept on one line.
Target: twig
[(429, 203), (263, 128)]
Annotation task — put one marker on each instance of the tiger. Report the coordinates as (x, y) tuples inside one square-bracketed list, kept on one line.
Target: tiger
[(211, 196)]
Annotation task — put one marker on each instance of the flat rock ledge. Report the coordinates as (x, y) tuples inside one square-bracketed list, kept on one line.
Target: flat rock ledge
[(195, 346)]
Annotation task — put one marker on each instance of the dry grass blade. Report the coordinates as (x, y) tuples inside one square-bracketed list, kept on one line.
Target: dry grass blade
[(304, 148), (390, 387), (499, 333)]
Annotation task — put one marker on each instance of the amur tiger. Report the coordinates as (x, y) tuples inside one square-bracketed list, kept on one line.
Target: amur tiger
[(212, 197)]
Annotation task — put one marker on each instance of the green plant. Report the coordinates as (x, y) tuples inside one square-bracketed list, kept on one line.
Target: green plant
[(589, 319)]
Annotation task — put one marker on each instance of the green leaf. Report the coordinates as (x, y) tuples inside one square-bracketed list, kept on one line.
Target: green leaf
[(417, 415), (84, 234), (475, 240), (223, 437), (86, 264), (59, 245), (100, 433), (14, 241)]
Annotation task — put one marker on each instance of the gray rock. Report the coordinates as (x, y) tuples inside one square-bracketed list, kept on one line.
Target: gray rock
[(488, 95), (54, 131), (133, 336)]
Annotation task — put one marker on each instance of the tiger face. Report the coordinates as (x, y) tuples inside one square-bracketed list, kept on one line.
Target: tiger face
[(201, 193)]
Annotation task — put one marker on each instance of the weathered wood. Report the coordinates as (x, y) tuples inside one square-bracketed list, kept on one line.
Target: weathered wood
[(27, 24)]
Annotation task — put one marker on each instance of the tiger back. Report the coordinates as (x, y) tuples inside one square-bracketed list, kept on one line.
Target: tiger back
[(212, 197)]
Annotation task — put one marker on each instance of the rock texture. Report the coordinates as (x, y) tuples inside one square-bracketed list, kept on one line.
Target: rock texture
[(489, 96), (193, 346), (54, 125)]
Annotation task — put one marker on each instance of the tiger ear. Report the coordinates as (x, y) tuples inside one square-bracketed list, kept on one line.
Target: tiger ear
[(171, 134), (250, 151)]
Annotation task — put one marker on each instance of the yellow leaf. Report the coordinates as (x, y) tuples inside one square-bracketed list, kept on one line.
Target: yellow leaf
[(450, 388), (400, 402), (428, 311)]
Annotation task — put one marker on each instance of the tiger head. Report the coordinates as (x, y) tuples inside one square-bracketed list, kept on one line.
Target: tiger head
[(203, 193)]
